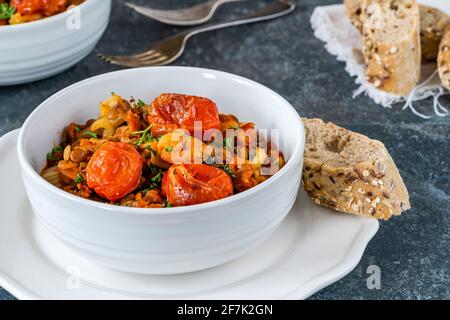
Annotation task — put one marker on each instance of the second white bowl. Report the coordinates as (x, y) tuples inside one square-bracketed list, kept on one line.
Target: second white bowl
[(40, 49)]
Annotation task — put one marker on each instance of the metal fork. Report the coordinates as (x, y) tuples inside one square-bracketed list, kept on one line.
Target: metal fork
[(191, 16), (168, 50)]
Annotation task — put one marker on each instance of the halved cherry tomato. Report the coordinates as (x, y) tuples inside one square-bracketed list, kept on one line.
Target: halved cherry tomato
[(187, 184), (172, 111), (114, 170)]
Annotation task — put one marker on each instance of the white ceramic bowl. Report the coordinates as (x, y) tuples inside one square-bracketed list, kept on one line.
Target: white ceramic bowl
[(168, 240), (39, 49)]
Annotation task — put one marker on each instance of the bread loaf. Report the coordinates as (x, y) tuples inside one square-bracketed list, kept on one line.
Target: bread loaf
[(351, 173), (391, 44), (432, 24)]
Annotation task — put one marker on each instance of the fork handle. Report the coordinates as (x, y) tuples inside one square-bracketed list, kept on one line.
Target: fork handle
[(220, 2), (277, 9)]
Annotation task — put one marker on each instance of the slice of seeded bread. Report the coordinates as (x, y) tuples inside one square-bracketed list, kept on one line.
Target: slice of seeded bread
[(391, 44), (351, 173), (433, 23), (444, 59)]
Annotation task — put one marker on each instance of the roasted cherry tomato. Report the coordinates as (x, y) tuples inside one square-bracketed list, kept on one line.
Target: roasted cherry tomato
[(48, 7), (172, 111), (187, 184), (114, 170)]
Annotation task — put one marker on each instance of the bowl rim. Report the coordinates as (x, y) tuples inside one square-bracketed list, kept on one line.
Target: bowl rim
[(25, 164), (53, 18)]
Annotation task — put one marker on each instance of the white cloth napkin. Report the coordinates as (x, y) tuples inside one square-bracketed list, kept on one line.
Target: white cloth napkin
[(331, 25)]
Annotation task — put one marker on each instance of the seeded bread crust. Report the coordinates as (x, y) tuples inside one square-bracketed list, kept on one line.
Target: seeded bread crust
[(391, 44), (353, 12), (351, 173), (444, 59), (432, 25)]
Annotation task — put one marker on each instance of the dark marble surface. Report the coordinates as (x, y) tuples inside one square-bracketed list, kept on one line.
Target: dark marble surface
[(413, 250)]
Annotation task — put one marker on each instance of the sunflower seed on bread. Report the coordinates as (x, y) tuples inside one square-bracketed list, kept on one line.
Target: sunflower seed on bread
[(351, 173)]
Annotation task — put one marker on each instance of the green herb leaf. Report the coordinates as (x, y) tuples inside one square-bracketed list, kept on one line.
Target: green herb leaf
[(167, 204), (6, 11), (79, 178), (57, 149), (151, 150), (51, 155), (140, 103), (168, 148), (228, 142), (228, 170), (90, 133), (153, 169), (77, 129), (145, 137), (157, 178)]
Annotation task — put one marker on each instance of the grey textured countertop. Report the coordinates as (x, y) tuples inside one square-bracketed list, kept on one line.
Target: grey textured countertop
[(413, 250)]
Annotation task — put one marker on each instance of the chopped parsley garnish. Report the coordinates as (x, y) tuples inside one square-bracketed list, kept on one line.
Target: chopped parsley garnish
[(140, 103), (169, 149), (228, 142), (79, 178), (6, 11), (157, 178), (51, 155), (77, 129), (156, 175), (145, 137), (167, 204), (228, 170), (154, 170), (149, 148), (91, 134)]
